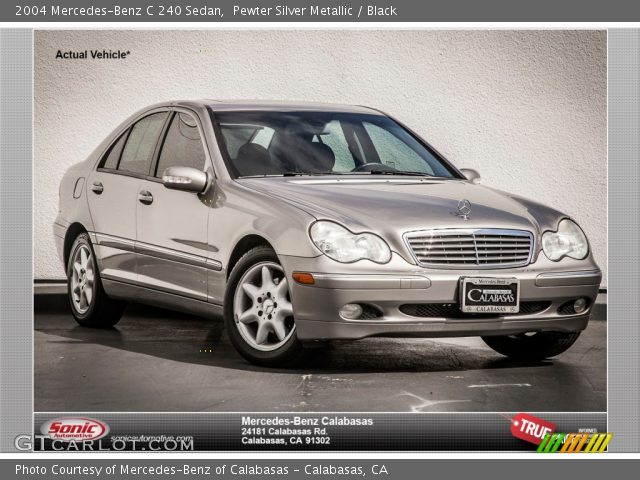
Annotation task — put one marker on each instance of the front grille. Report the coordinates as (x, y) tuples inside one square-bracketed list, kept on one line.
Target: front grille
[(471, 248), (452, 310)]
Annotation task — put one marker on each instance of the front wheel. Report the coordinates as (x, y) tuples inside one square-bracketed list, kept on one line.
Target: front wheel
[(258, 311), (532, 345)]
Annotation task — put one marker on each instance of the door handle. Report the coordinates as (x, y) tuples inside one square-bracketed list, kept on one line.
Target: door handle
[(145, 197), (97, 188)]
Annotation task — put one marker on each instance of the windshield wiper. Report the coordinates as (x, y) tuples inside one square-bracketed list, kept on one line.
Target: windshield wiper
[(301, 174), (285, 174), (315, 174), (400, 172)]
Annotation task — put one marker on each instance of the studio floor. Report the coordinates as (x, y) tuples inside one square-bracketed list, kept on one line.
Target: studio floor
[(155, 361)]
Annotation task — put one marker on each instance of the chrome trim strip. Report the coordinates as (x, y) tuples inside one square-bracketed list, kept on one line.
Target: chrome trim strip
[(560, 279), (472, 232), (112, 241), (127, 245), (214, 264), (176, 256), (370, 282)]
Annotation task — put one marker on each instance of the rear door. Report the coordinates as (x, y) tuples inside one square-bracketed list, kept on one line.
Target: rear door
[(172, 225), (112, 196)]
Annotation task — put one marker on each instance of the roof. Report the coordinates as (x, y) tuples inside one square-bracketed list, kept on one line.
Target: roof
[(276, 105)]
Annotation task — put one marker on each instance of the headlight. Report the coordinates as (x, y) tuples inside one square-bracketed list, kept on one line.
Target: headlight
[(568, 241), (339, 244)]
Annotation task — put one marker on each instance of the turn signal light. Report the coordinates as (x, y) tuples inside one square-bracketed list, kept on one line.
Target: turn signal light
[(303, 278)]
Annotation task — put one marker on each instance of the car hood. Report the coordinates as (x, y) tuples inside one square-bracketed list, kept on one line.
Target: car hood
[(397, 205)]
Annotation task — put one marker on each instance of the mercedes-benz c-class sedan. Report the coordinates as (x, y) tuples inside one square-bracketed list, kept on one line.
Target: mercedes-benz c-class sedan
[(302, 222)]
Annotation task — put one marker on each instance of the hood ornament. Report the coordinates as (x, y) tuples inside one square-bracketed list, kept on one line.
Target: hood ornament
[(464, 209)]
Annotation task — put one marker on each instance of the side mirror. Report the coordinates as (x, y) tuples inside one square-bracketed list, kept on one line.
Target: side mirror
[(470, 174), (186, 179)]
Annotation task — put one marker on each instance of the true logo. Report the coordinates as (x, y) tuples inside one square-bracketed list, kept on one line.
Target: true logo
[(530, 428), (72, 429)]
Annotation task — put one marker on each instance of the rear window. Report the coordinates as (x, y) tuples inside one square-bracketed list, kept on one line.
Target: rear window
[(112, 158)]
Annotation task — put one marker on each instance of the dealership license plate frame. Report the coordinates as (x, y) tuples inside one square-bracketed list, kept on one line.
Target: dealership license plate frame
[(487, 282)]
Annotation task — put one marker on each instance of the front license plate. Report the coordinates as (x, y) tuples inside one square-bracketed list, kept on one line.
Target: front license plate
[(490, 295)]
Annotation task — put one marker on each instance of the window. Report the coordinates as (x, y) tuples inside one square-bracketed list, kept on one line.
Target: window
[(395, 153), (263, 137), (113, 157), (138, 152), (236, 136), (256, 143), (182, 145), (333, 137)]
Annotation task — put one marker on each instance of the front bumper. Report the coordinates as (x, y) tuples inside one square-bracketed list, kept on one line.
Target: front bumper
[(316, 307)]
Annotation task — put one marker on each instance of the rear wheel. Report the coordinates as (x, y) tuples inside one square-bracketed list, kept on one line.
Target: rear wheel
[(90, 305), (532, 345), (258, 311)]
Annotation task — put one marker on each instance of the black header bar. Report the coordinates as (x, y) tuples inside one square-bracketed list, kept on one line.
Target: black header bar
[(222, 11)]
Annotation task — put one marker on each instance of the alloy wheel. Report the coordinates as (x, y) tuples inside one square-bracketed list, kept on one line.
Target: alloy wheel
[(262, 307), (82, 279)]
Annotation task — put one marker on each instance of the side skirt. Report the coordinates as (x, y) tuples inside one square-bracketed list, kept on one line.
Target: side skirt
[(170, 301)]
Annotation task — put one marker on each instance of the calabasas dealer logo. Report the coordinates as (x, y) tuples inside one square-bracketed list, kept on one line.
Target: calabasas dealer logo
[(74, 429)]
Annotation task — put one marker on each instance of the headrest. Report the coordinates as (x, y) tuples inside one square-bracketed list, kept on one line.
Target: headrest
[(321, 157), (254, 159)]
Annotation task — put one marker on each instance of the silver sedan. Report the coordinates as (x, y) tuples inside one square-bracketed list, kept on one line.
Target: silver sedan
[(301, 223)]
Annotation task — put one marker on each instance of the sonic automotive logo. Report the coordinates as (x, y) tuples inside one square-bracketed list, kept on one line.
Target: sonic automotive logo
[(75, 429)]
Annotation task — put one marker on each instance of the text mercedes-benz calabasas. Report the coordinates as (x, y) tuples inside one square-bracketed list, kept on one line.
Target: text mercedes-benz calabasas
[(308, 222)]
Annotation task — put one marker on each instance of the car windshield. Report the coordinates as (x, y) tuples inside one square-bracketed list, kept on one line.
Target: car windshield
[(314, 143)]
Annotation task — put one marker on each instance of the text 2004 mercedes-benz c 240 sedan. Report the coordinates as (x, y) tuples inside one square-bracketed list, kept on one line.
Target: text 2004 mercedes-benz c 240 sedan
[(307, 222)]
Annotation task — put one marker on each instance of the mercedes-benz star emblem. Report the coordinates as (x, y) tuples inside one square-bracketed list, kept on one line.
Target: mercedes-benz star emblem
[(464, 209)]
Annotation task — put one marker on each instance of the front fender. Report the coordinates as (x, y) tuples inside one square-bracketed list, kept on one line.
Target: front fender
[(239, 212)]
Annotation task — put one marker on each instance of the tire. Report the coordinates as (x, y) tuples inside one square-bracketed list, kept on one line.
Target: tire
[(536, 346), (90, 305), (258, 315)]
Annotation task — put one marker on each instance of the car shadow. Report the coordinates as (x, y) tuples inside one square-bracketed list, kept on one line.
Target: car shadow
[(184, 338)]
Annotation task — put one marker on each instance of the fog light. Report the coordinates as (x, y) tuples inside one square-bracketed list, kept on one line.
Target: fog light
[(351, 311), (580, 305)]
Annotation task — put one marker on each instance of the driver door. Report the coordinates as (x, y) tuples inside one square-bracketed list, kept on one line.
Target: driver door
[(172, 225)]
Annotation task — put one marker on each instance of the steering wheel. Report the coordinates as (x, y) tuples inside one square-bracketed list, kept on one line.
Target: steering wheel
[(368, 167)]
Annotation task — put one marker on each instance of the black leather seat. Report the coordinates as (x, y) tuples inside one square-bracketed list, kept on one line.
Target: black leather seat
[(321, 157), (254, 159)]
